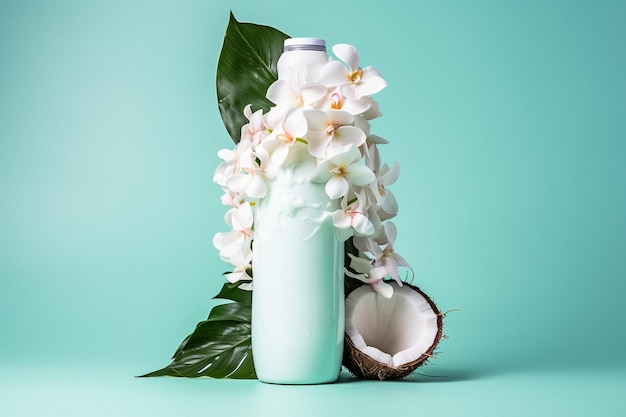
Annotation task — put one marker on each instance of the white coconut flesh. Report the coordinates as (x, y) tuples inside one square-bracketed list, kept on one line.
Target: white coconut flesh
[(393, 331)]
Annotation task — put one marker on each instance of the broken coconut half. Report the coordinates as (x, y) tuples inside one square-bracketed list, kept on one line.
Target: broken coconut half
[(388, 338)]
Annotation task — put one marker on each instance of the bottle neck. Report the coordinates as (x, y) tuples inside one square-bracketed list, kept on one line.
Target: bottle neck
[(304, 44)]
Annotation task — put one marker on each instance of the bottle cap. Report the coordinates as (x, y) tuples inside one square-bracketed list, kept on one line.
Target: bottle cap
[(305, 44)]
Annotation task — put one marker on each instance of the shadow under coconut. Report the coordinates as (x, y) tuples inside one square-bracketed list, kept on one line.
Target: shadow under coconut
[(425, 376)]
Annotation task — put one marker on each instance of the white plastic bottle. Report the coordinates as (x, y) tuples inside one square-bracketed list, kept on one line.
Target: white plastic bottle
[(298, 294)]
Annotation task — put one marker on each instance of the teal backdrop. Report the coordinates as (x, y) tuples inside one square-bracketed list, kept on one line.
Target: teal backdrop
[(508, 120)]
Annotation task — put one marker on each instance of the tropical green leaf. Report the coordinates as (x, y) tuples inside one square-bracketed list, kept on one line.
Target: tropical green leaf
[(219, 347), (231, 311), (231, 291), (181, 346), (246, 68)]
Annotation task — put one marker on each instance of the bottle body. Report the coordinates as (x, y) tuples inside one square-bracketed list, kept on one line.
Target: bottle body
[(298, 299), (298, 293)]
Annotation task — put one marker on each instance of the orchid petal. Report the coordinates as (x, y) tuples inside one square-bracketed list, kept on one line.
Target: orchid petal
[(322, 173), (244, 214), (377, 273), (391, 265), (363, 124), (339, 117), (374, 249), (355, 106), (295, 124), (238, 183), (318, 143), (349, 135), (389, 204), (359, 264), (247, 111), (359, 174), (256, 188), (312, 93), (279, 92), (373, 111), (384, 216), (233, 277), (241, 218), (361, 243), (221, 240), (333, 73), (228, 199), (341, 219), (371, 82), (400, 260), (275, 116), (227, 154), (279, 154), (316, 119), (241, 258), (229, 244), (335, 148), (348, 54), (388, 176), (346, 158), (336, 187), (362, 224), (391, 232)]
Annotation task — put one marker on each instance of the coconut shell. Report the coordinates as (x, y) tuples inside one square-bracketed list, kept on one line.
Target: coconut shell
[(364, 366)]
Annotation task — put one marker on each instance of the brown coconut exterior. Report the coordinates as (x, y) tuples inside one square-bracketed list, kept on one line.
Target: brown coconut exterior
[(364, 366)]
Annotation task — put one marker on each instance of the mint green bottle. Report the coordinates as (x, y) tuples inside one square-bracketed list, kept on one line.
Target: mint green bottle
[(298, 293)]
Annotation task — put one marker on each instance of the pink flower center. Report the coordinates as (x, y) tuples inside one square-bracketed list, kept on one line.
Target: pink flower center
[(335, 101)]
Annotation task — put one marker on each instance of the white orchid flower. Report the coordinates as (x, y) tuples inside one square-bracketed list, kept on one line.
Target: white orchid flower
[(389, 208), (229, 167), (296, 92), (370, 151), (353, 216), (341, 172), (373, 110), (363, 268), (250, 181), (242, 262), (337, 101), (331, 133), (355, 82), (362, 123), (383, 197), (236, 244), (240, 273), (278, 143), (231, 199), (253, 131), (386, 260)]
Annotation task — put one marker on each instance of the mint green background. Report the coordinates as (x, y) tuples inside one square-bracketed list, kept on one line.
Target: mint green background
[(508, 120)]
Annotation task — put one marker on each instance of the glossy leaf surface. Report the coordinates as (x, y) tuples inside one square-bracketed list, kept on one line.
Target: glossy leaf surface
[(246, 68), (219, 347)]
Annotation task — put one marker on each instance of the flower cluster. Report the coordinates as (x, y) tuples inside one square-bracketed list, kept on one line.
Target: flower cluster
[(327, 111)]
